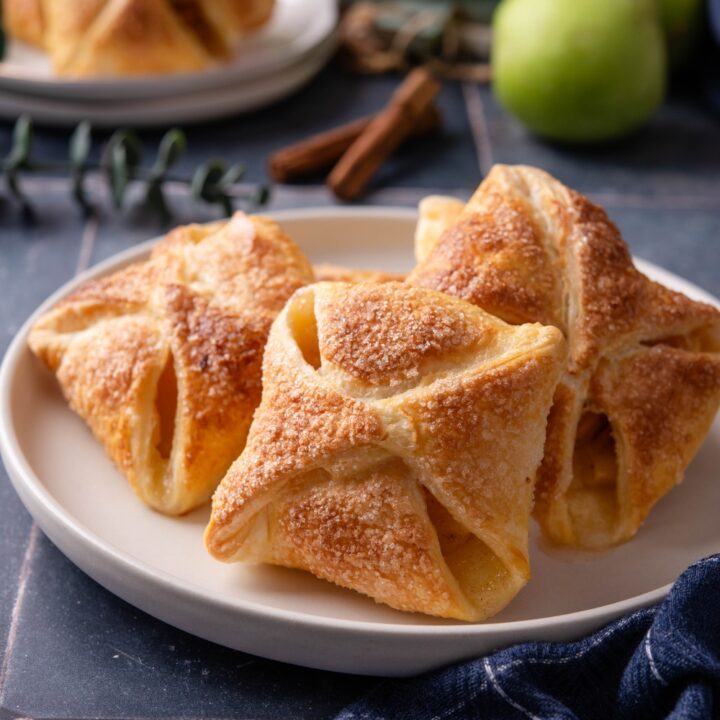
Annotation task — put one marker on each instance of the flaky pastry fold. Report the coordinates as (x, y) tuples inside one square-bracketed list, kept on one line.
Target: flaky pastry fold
[(132, 37), (642, 383), (163, 359), (394, 447)]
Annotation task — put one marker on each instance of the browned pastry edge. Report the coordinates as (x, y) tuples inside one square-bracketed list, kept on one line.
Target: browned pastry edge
[(392, 449), (163, 358), (527, 248)]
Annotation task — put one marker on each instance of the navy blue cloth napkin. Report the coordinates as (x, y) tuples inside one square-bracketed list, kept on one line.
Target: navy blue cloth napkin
[(659, 662)]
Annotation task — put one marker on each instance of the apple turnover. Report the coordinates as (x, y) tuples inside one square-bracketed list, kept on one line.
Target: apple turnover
[(131, 37), (642, 384), (394, 447), (163, 359)]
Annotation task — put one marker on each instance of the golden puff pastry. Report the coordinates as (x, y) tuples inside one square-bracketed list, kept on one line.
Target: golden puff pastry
[(163, 359), (131, 37), (24, 20), (231, 19), (642, 385), (437, 212), (393, 449)]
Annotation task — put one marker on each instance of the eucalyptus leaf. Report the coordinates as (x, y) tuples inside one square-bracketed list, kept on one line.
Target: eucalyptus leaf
[(123, 157), (233, 174), (18, 158), (13, 184), (80, 194), (211, 183), (261, 195), (172, 146), (21, 143), (80, 144), (120, 162), (206, 181), (227, 204), (133, 147), (155, 200), (119, 174)]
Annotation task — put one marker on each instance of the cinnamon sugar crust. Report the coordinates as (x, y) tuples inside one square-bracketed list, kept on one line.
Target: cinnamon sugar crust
[(132, 37), (378, 400), (527, 248), (163, 359)]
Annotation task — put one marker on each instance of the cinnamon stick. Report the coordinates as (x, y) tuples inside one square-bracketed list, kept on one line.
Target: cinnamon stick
[(323, 150), (383, 135)]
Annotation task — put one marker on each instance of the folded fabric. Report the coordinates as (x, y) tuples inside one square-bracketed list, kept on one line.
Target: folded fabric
[(658, 662)]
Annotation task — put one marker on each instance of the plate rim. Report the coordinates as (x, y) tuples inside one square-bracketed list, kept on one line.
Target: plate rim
[(197, 106), (25, 481)]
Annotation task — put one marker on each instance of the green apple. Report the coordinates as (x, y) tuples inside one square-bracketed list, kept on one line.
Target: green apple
[(579, 70), (682, 21)]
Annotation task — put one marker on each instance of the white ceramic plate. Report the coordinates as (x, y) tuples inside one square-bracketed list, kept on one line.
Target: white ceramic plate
[(196, 106), (296, 28), (159, 564)]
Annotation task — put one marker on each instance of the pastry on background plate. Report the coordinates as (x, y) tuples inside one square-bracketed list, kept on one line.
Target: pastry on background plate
[(134, 37), (163, 359), (394, 448), (642, 384)]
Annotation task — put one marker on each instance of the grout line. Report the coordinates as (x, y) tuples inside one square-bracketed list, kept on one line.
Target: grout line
[(478, 125), (87, 243), (17, 607)]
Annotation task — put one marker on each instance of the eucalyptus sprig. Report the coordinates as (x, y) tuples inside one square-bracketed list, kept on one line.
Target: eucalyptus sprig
[(121, 163), (19, 159)]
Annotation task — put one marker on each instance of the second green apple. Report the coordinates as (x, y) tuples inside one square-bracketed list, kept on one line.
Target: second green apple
[(579, 70)]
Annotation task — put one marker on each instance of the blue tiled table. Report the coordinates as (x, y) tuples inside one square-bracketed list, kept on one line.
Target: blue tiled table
[(71, 649)]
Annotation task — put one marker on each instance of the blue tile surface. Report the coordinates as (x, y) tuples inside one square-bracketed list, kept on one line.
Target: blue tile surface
[(118, 231), (87, 654), (684, 241), (78, 651), (329, 100), (34, 261), (677, 154)]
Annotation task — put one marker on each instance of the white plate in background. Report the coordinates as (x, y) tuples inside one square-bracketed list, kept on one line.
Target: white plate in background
[(197, 106), (296, 28), (159, 564)]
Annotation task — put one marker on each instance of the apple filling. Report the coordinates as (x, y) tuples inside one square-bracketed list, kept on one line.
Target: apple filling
[(166, 401), (592, 496), (303, 325), (478, 570)]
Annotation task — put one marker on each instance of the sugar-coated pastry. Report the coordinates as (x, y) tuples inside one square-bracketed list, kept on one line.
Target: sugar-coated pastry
[(642, 384), (24, 20), (232, 19), (163, 359), (437, 212), (126, 37), (134, 37), (394, 448)]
